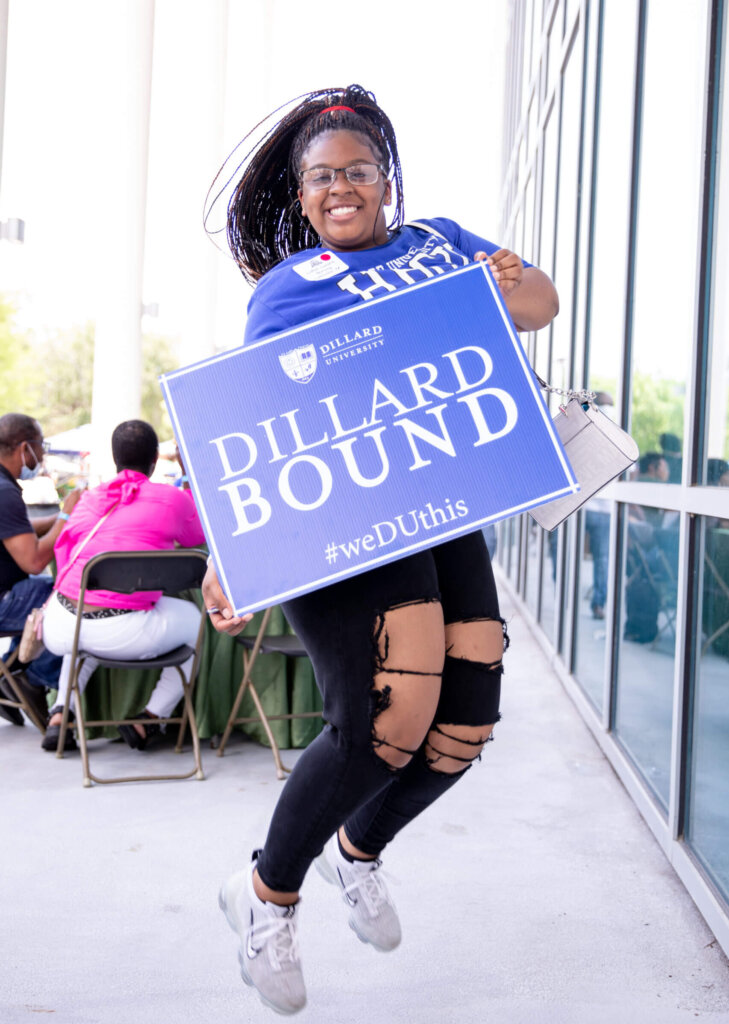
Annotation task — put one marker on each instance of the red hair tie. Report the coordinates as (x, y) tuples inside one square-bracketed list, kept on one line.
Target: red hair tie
[(327, 109)]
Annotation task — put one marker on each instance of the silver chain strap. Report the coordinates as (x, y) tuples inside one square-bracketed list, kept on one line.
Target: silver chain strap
[(569, 393)]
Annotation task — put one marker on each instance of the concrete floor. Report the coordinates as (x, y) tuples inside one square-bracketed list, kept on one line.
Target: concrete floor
[(531, 894)]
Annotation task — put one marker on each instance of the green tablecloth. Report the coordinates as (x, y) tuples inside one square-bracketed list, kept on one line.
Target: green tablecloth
[(285, 685)]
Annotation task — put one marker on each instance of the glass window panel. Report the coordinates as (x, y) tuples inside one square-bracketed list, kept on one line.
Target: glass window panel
[(547, 228), (594, 561), (536, 37), (560, 372), (707, 828), (527, 250), (670, 167), (550, 556), (644, 705), (554, 46), (529, 15), (549, 194), (571, 12), (612, 196), (532, 129), (717, 412), (531, 593)]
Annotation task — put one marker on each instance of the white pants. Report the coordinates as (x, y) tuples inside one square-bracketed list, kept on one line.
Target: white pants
[(169, 624)]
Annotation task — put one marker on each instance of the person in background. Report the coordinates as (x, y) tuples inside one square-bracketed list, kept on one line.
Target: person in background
[(717, 475), (597, 528), (129, 513), (671, 450), (26, 550)]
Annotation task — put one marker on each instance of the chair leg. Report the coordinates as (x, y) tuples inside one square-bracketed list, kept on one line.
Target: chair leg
[(74, 691), (186, 717), (247, 665), (280, 769), (66, 712), (22, 702), (189, 714)]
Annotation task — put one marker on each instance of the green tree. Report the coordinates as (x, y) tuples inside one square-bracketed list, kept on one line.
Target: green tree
[(657, 409), (52, 378), (157, 358), (17, 384), (64, 387)]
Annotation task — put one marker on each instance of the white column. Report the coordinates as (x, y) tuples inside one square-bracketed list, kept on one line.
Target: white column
[(117, 352), (199, 327), (3, 70)]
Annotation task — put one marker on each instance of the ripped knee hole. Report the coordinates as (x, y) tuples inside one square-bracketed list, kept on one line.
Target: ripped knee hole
[(480, 640), (449, 753)]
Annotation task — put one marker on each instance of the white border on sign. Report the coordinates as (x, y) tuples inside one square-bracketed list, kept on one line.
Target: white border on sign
[(570, 488)]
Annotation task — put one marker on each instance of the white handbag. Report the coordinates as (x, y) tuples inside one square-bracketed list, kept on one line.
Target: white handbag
[(598, 451)]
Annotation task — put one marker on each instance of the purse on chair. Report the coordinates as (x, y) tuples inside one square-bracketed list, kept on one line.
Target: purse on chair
[(31, 642), (598, 451)]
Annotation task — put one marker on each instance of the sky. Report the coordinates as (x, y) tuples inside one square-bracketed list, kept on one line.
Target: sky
[(217, 70)]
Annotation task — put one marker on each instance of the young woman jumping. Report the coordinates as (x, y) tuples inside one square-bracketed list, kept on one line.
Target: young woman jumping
[(408, 656)]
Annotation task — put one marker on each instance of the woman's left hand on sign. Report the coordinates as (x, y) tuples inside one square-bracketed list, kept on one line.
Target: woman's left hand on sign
[(506, 268), (219, 610)]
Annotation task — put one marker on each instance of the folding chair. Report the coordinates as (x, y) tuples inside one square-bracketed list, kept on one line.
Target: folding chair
[(262, 643), (126, 572), (10, 669), (651, 579), (716, 591)]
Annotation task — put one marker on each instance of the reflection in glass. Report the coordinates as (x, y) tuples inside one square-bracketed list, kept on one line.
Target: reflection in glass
[(560, 373), (717, 406), (594, 559), (612, 194), (644, 686), (531, 593), (707, 829), (653, 467), (671, 137), (550, 554)]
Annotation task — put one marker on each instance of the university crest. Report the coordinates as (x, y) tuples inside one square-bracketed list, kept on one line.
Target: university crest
[(299, 363)]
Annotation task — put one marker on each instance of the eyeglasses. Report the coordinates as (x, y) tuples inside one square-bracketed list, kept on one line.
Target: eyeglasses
[(356, 174), (45, 445)]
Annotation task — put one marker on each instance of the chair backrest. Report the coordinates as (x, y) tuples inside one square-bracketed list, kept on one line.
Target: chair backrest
[(125, 572)]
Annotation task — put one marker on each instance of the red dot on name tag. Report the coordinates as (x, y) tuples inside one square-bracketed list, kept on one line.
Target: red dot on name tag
[(325, 256)]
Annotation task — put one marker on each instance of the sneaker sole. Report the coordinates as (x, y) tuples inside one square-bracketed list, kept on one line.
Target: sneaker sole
[(241, 963)]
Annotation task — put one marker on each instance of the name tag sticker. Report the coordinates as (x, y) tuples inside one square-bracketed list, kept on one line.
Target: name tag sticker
[(320, 267)]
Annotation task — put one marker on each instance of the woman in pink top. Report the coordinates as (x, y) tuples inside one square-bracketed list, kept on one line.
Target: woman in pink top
[(129, 513)]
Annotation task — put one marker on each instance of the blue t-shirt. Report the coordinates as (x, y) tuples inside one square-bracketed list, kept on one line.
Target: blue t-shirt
[(318, 282)]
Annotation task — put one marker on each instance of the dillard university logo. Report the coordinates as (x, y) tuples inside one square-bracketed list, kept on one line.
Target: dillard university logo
[(299, 363)]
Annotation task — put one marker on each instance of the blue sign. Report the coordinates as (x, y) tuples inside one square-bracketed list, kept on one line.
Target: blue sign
[(328, 449)]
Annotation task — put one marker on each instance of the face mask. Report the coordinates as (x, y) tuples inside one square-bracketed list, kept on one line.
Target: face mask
[(26, 473)]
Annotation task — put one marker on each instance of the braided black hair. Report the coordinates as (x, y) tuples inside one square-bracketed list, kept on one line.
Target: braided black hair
[(264, 223)]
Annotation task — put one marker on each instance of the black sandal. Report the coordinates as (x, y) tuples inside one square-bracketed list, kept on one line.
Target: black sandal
[(132, 738), (50, 739)]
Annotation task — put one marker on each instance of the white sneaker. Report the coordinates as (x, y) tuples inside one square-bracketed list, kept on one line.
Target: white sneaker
[(269, 950), (372, 916)]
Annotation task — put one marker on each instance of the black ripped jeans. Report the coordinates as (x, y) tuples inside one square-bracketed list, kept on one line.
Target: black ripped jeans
[(339, 779)]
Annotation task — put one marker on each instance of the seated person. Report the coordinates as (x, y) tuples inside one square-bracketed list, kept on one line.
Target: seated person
[(26, 550), (717, 475), (672, 450), (134, 515)]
